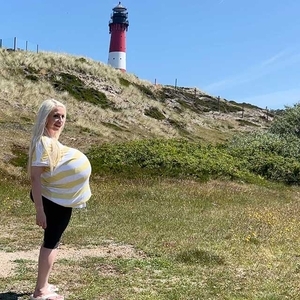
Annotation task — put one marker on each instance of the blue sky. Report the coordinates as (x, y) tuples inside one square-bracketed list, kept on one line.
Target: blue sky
[(246, 51)]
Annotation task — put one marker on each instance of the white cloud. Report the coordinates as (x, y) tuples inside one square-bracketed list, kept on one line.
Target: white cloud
[(274, 58)]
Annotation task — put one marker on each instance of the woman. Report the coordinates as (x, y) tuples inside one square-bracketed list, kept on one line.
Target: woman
[(59, 182)]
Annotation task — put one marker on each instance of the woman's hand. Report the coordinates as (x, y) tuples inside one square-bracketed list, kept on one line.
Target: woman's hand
[(41, 218)]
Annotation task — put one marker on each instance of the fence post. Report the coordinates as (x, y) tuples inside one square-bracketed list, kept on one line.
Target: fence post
[(0, 43), (37, 48), (175, 83), (26, 47), (15, 44)]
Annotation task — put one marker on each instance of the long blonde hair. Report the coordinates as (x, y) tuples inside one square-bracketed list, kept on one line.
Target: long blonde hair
[(39, 130)]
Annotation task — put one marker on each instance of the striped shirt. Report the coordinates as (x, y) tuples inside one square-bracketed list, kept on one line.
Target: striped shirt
[(68, 183)]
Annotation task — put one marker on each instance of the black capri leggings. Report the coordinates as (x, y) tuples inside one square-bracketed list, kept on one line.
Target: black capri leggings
[(58, 218)]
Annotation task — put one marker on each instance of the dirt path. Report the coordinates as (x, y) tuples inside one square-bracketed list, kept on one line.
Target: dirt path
[(7, 259)]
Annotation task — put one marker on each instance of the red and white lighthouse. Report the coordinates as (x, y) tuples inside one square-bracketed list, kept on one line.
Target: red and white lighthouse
[(118, 25)]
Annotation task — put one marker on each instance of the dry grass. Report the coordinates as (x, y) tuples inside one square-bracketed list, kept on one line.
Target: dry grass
[(89, 124)]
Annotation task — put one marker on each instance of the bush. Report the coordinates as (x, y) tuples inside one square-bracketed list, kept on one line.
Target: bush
[(252, 157), (274, 157), (249, 144), (288, 122), (172, 158)]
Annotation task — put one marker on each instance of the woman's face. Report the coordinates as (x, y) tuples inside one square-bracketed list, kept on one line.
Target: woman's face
[(56, 121)]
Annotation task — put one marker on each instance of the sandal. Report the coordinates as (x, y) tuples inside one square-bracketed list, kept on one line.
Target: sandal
[(51, 296), (52, 288)]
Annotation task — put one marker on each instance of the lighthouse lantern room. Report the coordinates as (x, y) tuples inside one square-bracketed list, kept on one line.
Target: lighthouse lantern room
[(118, 25)]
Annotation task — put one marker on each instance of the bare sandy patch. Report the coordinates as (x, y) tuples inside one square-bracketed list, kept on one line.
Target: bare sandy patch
[(8, 259)]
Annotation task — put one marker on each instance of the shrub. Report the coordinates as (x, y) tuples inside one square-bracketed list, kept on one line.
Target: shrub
[(251, 158), (173, 158), (288, 122), (272, 156)]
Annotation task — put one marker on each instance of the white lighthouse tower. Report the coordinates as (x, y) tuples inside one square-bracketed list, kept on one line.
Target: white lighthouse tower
[(118, 25)]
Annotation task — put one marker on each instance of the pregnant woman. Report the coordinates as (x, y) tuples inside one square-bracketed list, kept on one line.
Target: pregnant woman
[(59, 182)]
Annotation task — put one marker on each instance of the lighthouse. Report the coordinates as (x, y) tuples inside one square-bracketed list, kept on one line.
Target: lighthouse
[(118, 25)]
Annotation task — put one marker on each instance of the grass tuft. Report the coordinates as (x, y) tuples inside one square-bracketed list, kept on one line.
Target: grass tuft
[(200, 257), (155, 113)]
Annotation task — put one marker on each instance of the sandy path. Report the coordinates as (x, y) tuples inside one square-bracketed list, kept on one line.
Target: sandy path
[(7, 259)]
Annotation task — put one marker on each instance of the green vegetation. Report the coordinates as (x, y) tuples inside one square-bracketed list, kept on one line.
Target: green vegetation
[(141, 87), (124, 82), (155, 113), (145, 90), (70, 83), (180, 126), (243, 122), (198, 103), (81, 60), (164, 239), (288, 122), (169, 219), (269, 155), (250, 157), (20, 156), (168, 158)]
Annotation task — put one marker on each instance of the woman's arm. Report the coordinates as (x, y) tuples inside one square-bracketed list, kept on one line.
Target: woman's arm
[(35, 177)]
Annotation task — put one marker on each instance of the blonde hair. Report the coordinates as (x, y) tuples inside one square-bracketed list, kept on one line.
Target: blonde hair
[(39, 130)]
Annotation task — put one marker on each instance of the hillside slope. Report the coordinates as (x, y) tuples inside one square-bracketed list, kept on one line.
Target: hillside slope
[(105, 105)]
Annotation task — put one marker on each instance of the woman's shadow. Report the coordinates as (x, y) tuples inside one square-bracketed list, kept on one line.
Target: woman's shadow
[(12, 296)]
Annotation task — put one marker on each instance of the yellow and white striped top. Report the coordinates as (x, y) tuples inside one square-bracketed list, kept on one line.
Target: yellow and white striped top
[(68, 183)]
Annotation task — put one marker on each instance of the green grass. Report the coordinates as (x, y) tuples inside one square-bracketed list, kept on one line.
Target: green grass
[(213, 240), (76, 88), (124, 82)]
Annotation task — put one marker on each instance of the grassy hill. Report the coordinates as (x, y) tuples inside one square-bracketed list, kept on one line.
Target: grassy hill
[(152, 237), (106, 105)]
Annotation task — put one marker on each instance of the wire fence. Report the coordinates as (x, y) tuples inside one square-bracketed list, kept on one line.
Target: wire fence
[(15, 44)]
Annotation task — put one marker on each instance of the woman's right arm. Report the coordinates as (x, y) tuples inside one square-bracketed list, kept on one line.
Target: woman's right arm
[(35, 177)]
